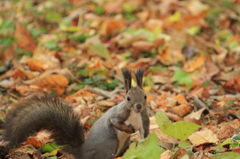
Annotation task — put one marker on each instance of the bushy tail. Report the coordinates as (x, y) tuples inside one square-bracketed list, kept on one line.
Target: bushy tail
[(44, 113)]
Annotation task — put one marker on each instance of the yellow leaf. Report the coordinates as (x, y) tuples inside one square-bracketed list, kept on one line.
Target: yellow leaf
[(53, 153), (175, 17), (147, 88)]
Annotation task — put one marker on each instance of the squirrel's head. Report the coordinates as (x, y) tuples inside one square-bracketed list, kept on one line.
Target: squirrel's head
[(135, 98)]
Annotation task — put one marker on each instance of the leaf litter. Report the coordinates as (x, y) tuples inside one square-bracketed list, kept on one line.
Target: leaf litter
[(77, 48)]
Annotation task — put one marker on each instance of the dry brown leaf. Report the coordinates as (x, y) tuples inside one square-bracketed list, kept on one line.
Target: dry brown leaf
[(80, 93), (168, 57), (195, 115), (112, 27), (225, 132), (166, 154), (154, 24), (180, 153), (201, 137), (35, 65), (114, 7), (24, 39), (48, 58), (19, 74), (233, 85), (32, 141), (142, 62), (142, 46), (193, 65), (55, 82), (27, 90), (183, 108), (197, 7)]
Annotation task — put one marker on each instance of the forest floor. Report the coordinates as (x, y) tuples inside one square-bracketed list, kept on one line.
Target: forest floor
[(77, 48)]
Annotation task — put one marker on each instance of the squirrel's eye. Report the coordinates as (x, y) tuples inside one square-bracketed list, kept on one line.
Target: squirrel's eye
[(145, 97), (128, 98)]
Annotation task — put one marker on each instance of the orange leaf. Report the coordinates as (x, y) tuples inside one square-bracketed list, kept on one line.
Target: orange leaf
[(95, 65), (35, 65), (24, 89), (193, 65), (113, 26), (181, 99), (233, 85), (24, 39), (33, 141), (168, 56), (80, 93), (18, 73), (55, 82), (181, 109)]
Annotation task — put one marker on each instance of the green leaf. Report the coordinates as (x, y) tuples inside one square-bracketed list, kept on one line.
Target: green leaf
[(51, 44), (49, 147), (184, 144), (53, 17), (193, 30), (128, 7), (99, 49), (1, 21), (227, 155), (180, 130), (227, 141), (190, 152), (182, 77), (53, 157), (99, 10), (7, 25), (147, 148), (150, 36)]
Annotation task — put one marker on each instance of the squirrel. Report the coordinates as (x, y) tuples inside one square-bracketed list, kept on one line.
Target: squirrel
[(109, 135)]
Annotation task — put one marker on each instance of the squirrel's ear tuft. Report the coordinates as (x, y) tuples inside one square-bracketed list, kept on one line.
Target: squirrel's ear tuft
[(139, 77), (127, 75)]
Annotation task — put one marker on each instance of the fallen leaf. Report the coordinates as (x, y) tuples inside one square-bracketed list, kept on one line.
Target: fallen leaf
[(182, 108), (114, 7), (35, 65), (225, 131), (201, 137), (24, 39), (27, 90), (142, 46), (181, 153), (193, 65), (112, 27), (168, 57), (33, 141), (142, 62), (144, 148), (154, 24), (233, 85), (180, 130), (196, 7), (80, 93), (55, 82), (227, 155), (195, 115), (19, 74), (166, 155)]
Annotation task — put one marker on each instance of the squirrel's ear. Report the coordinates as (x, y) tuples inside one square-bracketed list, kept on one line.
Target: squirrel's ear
[(127, 75), (139, 77)]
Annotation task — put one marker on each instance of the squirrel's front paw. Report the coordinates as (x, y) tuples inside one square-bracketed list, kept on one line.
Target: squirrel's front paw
[(132, 128)]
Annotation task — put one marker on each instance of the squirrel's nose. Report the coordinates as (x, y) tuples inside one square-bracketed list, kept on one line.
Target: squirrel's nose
[(139, 106)]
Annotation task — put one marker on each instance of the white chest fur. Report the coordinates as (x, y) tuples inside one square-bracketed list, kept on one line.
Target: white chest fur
[(135, 120)]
